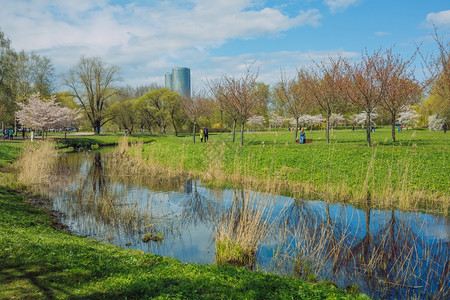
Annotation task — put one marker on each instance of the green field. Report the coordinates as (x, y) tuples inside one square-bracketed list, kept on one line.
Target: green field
[(411, 173)]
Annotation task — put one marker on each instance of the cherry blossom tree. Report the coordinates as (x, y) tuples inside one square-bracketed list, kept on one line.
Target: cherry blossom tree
[(256, 121), (45, 114), (435, 123), (408, 116), (361, 118), (277, 121), (336, 119), (310, 121)]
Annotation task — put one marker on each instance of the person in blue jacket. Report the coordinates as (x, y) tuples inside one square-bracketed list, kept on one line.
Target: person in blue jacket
[(302, 137)]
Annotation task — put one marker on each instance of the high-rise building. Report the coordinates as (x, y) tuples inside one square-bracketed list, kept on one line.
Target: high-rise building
[(179, 81)]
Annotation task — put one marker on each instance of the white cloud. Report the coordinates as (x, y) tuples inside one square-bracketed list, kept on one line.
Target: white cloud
[(439, 19), (339, 5), (135, 36)]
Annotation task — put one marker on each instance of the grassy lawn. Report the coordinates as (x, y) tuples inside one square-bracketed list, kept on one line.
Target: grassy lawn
[(38, 261), (407, 174)]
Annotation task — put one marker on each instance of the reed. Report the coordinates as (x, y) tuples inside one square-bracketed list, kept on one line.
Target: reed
[(241, 229), (36, 163)]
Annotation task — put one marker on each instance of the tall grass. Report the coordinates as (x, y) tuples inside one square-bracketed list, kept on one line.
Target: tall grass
[(241, 229), (36, 163)]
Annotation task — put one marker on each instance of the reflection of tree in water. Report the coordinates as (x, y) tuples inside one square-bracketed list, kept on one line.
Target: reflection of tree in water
[(197, 209), (96, 174), (391, 261), (318, 241)]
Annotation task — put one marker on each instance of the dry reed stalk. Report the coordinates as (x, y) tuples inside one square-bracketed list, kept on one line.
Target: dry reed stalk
[(36, 163), (240, 230)]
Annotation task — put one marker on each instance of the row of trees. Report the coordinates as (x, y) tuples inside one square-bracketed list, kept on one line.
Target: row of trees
[(381, 82)]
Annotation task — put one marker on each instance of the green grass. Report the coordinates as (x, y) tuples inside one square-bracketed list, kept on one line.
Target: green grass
[(418, 163), (38, 261), (9, 151), (87, 141)]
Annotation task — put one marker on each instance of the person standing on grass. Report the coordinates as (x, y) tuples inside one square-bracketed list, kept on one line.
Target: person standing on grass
[(202, 134), (23, 133), (11, 134), (205, 131), (444, 127)]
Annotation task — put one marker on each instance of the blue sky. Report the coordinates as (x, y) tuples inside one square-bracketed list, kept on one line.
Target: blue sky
[(146, 39)]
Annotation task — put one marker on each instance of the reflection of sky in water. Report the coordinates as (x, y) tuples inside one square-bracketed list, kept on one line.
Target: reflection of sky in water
[(186, 216)]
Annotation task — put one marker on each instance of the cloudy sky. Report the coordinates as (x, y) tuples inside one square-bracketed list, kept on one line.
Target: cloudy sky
[(146, 39)]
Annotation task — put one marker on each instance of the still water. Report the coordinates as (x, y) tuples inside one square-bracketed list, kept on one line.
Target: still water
[(387, 253)]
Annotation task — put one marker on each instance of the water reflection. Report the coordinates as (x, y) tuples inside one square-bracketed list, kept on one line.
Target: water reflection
[(387, 253)]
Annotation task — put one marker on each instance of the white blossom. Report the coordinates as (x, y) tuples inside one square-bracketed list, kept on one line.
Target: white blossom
[(435, 123), (45, 114), (408, 117), (336, 119), (361, 118)]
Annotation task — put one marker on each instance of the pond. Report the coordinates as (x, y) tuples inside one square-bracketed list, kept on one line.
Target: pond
[(387, 253)]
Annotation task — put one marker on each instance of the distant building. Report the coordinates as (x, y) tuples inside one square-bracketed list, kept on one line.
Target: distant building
[(179, 81)]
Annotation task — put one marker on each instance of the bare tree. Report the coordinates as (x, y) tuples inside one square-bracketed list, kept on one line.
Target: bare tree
[(291, 95), (402, 92), (196, 106), (91, 83), (237, 96), (365, 83), (323, 87)]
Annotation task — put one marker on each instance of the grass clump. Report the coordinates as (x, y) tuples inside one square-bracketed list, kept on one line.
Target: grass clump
[(153, 237), (36, 163)]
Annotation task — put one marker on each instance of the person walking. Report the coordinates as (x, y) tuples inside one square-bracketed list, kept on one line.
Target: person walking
[(11, 134), (444, 127), (23, 133), (202, 134)]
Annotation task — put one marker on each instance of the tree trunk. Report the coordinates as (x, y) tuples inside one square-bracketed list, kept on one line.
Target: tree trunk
[(327, 130), (175, 128), (393, 128), (368, 128), (193, 133), (234, 128), (296, 128), (242, 132), (96, 125)]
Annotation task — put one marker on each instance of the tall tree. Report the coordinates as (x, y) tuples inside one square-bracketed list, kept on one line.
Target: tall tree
[(162, 107), (438, 67), (238, 96), (323, 87), (364, 84), (291, 96), (7, 74), (91, 83), (197, 106), (124, 114)]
